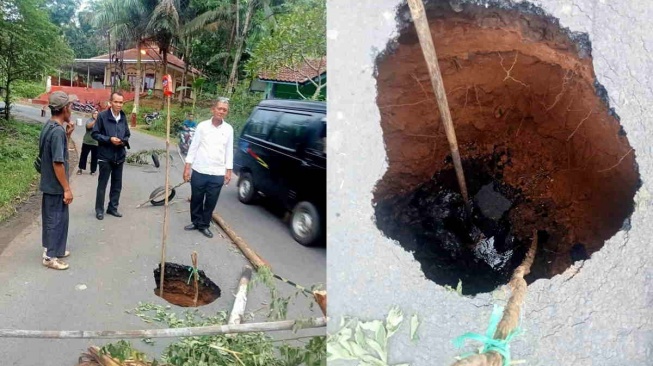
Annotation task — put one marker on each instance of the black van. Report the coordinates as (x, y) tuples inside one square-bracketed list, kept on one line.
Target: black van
[(281, 154)]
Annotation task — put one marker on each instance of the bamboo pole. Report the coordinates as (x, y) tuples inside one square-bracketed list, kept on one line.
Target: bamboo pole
[(236, 315), (251, 255), (165, 212), (193, 258), (319, 296), (167, 332), (428, 49), (510, 319)]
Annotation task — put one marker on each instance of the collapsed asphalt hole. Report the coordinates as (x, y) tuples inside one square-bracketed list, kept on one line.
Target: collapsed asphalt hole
[(180, 291), (541, 148)]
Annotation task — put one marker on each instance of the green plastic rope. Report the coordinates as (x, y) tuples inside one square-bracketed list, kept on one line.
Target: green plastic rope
[(500, 346), (192, 272)]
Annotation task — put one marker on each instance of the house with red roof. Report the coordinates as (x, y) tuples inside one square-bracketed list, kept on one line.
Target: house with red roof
[(92, 78), (299, 82)]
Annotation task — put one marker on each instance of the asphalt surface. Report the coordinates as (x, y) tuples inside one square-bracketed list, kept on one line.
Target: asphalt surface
[(114, 259), (600, 314)]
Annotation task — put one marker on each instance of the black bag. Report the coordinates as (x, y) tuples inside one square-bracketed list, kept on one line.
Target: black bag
[(37, 161)]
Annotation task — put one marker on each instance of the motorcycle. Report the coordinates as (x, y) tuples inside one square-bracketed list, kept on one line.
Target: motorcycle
[(185, 138), (151, 117)]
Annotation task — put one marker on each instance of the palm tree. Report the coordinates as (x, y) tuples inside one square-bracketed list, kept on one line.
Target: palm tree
[(228, 15), (128, 19)]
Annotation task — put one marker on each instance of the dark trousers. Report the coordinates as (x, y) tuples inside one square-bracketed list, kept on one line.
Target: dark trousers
[(205, 190), (54, 214), (83, 158), (114, 171)]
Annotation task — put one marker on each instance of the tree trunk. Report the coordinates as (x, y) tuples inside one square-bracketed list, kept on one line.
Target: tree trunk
[(165, 72), (139, 75), (7, 97), (238, 18), (241, 41), (186, 67), (230, 44)]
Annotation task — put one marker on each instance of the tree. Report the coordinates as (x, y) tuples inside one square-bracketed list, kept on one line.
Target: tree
[(62, 12), (298, 40), (129, 20), (29, 43)]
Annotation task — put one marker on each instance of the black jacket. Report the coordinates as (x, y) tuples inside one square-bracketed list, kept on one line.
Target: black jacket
[(106, 127)]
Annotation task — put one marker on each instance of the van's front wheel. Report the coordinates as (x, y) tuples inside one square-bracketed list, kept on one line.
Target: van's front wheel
[(246, 189), (305, 224)]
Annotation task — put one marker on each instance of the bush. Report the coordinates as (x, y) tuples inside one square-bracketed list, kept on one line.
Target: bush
[(241, 104), (27, 89), (19, 145)]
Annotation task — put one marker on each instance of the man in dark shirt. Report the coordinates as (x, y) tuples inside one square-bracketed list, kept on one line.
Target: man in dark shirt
[(54, 180), (112, 133)]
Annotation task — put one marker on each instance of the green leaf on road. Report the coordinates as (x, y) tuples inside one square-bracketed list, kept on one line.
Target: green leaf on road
[(414, 323)]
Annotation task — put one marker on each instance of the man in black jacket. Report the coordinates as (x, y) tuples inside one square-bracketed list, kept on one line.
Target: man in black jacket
[(112, 133)]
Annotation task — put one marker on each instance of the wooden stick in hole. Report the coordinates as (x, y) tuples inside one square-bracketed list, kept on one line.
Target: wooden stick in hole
[(428, 49)]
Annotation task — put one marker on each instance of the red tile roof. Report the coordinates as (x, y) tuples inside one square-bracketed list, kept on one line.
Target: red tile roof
[(152, 55), (302, 75)]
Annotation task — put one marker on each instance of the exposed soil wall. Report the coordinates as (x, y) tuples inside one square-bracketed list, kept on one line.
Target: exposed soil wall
[(525, 101)]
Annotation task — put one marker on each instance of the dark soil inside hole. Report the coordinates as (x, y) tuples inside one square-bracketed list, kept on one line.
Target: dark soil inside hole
[(542, 150), (481, 249), (179, 291)]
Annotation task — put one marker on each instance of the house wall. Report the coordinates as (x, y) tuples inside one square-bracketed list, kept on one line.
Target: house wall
[(131, 69), (289, 91)]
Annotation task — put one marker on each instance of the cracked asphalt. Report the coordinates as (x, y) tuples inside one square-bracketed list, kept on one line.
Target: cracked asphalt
[(596, 313)]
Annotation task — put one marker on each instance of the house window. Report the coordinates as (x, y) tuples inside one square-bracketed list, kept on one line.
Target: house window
[(132, 80), (188, 91), (149, 81), (114, 77)]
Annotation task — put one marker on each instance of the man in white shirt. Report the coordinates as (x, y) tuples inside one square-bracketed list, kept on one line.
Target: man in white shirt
[(211, 155)]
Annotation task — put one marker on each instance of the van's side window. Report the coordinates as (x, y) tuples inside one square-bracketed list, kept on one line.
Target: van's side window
[(261, 123), (319, 144), (289, 130)]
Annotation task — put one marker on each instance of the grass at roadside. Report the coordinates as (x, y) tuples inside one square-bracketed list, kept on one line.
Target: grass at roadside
[(18, 148)]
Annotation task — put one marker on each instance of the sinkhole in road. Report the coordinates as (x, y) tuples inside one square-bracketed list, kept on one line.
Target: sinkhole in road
[(541, 148), (179, 290)]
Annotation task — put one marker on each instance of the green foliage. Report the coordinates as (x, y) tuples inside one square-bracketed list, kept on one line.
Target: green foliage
[(62, 11), (18, 148), (278, 304), (29, 43), (28, 89), (123, 351), (458, 289), (236, 349), (124, 85), (299, 36), (367, 341)]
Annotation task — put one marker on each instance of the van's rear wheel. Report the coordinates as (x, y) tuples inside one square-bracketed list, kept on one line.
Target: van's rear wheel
[(305, 224), (246, 188)]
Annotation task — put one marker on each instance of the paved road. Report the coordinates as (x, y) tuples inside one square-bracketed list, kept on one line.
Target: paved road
[(115, 258)]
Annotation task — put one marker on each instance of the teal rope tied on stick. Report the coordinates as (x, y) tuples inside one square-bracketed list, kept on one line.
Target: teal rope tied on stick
[(192, 272), (500, 346)]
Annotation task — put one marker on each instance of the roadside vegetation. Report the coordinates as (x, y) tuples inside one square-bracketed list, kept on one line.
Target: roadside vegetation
[(18, 148)]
